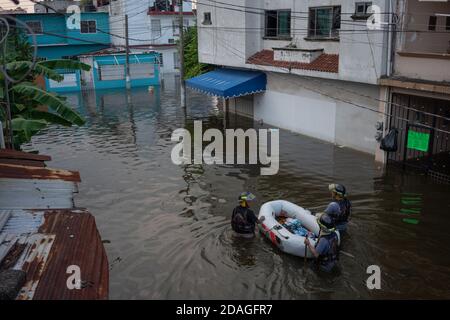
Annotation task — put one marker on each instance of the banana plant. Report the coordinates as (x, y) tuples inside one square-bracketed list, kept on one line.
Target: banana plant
[(33, 108)]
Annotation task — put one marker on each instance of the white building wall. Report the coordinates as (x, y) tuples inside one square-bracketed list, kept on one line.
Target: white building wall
[(235, 35), (211, 38), (168, 58), (339, 108), (52, 6), (289, 103)]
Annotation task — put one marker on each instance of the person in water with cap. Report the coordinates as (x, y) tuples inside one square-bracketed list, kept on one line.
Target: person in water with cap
[(243, 219), (340, 208), (326, 250)]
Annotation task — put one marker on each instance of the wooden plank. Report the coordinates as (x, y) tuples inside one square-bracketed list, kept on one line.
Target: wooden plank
[(13, 154), (31, 163), (27, 172)]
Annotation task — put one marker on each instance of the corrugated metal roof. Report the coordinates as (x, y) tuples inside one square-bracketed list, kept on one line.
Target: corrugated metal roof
[(45, 243), (36, 193), (42, 234)]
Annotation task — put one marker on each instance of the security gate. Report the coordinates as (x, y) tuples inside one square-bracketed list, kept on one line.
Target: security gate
[(424, 134)]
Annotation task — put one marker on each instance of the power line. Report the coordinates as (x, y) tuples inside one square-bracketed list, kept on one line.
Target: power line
[(343, 22), (228, 46)]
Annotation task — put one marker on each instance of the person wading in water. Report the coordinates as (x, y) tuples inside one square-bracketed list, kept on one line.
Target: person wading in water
[(243, 219), (340, 208), (326, 250)]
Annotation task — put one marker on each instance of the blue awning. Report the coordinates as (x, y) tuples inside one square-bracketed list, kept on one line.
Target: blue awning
[(229, 83)]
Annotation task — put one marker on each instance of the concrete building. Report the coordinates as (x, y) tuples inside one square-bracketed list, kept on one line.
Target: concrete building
[(322, 63), (12, 11), (108, 70), (59, 6), (153, 25), (418, 88), (55, 40)]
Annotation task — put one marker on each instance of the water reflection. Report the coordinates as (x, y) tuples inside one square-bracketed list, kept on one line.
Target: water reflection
[(168, 225)]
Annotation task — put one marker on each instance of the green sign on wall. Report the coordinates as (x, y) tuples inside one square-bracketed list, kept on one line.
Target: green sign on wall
[(418, 140)]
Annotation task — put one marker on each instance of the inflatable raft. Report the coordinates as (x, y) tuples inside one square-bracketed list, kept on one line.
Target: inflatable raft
[(277, 221)]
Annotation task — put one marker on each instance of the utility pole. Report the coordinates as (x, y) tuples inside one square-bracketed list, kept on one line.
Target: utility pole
[(127, 60), (181, 49)]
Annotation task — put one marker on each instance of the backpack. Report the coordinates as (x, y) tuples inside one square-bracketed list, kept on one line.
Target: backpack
[(239, 220), (346, 209)]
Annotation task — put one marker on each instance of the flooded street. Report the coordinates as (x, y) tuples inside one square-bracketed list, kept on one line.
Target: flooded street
[(166, 227)]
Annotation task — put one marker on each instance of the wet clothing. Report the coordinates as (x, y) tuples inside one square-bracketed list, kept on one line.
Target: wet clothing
[(243, 220), (340, 212), (328, 249)]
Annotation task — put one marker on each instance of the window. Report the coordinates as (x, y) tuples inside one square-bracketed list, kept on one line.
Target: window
[(142, 70), (175, 24), (447, 23), (324, 22), (171, 40), (89, 26), (101, 3), (361, 10), (162, 5), (161, 60), (175, 27), (111, 72), (35, 26), (156, 28), (432, 23), (206, 18), (176, 60), (278, 24)]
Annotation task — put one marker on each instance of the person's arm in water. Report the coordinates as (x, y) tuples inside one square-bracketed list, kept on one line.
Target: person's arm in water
[(253, 218), (311, 247), (319, 249)]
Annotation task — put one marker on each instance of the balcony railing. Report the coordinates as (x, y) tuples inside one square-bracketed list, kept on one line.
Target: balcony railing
[(161, 9)]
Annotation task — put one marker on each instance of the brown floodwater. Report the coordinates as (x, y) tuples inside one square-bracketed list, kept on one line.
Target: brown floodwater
[(168, 226)]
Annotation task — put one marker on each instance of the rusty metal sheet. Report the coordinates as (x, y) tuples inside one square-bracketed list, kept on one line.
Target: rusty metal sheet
[(44, 243), (28, 172), (8, 156), (43, 240), (34, 262), (31, 163), (19, 155), (78, 243)]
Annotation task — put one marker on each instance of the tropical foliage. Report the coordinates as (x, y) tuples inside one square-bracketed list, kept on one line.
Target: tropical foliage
[(192, 66), (33, 108)]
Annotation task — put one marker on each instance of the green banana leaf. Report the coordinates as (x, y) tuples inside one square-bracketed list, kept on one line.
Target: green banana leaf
[(48, 99), (20, 67), (27, 128), (66, 64), (49, 117)]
